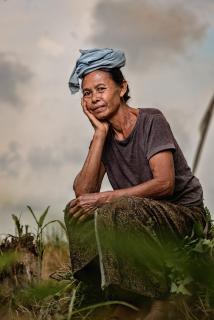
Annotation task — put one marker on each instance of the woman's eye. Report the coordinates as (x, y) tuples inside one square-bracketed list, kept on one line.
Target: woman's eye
[(86, 93), (100, 89)]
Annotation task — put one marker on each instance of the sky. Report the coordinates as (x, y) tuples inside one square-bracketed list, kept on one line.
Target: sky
[(169, 47)]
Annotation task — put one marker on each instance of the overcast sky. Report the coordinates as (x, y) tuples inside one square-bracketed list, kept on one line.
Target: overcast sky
[(169, 45)]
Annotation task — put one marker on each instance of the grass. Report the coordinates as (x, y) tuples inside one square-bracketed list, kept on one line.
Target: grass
[(37, 283)]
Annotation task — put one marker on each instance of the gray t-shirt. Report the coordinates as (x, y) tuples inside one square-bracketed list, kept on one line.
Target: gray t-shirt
[(127, 161)]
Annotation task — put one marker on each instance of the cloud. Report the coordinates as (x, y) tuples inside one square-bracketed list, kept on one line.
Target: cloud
[(10, 160), (50, 46), (13, 74), (149, 31), (52, 158), (41, 158)]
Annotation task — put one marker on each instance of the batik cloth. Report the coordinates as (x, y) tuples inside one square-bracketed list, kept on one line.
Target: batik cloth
[(128, 236)]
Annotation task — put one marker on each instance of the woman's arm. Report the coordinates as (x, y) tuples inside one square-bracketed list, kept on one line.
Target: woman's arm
[(90, 177), (160, 186)]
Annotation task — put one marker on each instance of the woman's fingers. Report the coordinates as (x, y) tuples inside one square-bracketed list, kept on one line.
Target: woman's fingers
[(71, 204), (98, 125), (95, 123), (84, 205), (81, 216), (72, 211), (76, 211), (84, 106), (78, 214), (85, 217), (72, 207)]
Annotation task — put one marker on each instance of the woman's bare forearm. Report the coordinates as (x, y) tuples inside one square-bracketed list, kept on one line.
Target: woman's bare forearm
[(154, 188), (87, 181)]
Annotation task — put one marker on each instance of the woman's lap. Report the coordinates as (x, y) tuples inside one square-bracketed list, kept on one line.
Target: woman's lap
[(122, 224)]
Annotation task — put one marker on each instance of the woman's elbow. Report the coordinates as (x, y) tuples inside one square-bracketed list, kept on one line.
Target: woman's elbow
[(167, 187), (79, 187), (78, 191)]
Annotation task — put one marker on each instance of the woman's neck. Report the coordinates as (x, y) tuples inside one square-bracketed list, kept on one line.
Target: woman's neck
[(124, 121)]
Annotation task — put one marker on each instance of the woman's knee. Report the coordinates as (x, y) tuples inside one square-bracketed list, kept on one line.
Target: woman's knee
[(127, 210), (122, 203)]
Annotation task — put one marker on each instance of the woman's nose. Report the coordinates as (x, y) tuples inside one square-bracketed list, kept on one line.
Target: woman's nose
[(95, 96)]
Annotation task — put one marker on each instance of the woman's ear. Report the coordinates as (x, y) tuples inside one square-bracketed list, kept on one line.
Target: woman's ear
[(123, 88)]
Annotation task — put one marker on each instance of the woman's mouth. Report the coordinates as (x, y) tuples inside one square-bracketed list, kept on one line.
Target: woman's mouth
[(99, 109)]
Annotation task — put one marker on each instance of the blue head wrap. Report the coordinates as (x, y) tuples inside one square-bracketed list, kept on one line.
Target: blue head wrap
[(94, 59)]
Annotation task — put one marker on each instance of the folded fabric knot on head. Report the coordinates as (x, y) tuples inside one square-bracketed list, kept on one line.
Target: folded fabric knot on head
[(93, 59)]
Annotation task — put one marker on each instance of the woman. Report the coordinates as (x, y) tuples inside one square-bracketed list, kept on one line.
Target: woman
[(153, 187)]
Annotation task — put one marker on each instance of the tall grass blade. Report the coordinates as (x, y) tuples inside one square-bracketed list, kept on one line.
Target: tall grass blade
[(33, 214), (52, 221), (104, 304), (71, 305), (19, 228), (62, 225), (42, 217)]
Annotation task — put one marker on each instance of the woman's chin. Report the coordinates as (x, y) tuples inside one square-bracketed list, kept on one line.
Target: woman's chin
[(102, 115)]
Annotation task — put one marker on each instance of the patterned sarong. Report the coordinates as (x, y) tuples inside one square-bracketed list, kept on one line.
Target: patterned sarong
[(127, 236)]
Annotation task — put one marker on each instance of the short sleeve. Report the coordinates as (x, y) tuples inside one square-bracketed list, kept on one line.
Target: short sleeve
[(159, 136)]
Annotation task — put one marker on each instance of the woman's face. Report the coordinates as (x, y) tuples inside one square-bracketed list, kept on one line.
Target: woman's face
[(101, 94)]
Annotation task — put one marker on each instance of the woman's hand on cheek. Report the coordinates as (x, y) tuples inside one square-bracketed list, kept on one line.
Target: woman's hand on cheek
[(101, 126)]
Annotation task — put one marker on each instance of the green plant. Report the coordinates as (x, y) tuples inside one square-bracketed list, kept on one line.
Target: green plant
[(19, 227), (39, 236), (189, 265)]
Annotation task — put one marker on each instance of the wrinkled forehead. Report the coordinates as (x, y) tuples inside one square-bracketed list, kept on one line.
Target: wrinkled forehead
[(96, 77)]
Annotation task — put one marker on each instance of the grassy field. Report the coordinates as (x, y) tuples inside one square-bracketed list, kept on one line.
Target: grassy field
[(37, 283)]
